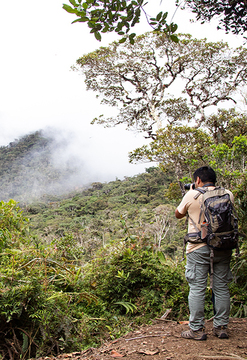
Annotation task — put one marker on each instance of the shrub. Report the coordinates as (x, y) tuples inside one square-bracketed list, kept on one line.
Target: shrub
[(133, 274), (50, 303), (39, 292)]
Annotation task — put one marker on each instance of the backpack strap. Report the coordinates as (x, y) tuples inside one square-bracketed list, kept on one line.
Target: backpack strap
[(200, 191), (198, 232), (211, 268), (194, 224)]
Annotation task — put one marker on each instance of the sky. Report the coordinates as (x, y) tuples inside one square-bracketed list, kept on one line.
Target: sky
[(38, 89)]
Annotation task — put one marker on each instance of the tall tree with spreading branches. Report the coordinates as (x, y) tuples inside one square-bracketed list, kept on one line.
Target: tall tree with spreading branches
[(138, 79)]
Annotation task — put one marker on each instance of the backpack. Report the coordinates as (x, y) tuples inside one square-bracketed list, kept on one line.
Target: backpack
[(219, 228), (219, 223)]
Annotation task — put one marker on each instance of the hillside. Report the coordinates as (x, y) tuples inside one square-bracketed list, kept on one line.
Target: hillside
[(58, 202), (29, 168), (106, 212), (81, 269)]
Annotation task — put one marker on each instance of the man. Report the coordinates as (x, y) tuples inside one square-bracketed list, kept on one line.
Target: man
[(198, 264)]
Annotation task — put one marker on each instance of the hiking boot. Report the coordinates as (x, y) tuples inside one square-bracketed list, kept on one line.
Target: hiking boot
[(221, 332), (195, 335)]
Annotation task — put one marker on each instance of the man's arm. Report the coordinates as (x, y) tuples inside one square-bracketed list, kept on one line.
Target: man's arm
[(178, 215), (183, 207)]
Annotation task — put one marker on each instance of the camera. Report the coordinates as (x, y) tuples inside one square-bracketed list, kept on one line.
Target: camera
[(187, 186)]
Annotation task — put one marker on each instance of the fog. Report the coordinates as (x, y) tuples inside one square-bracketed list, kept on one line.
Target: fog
[(98, 154), (38, 90), (54, 162)]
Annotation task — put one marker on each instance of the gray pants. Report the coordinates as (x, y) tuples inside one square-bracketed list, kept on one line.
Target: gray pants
[(197, 270)]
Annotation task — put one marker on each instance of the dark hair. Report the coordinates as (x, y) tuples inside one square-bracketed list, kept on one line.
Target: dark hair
[(206, 174)]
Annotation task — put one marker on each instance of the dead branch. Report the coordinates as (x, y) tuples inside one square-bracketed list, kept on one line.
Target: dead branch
[(225, 357), (211, 319), (146, 336)]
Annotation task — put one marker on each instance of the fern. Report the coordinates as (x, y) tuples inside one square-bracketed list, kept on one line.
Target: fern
[(127, 305)]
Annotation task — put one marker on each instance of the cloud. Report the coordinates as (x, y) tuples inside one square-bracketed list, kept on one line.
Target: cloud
[(55, 161), (39, 91)]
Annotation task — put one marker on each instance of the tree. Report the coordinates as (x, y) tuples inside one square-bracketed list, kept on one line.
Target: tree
[(232, 14), (120, 16), (135, 79), (230, 161), (178, 148), (220, 143), (225, 125), (164, 220)]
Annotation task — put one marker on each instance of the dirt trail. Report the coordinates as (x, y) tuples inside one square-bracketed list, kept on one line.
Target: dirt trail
[(163, 341)]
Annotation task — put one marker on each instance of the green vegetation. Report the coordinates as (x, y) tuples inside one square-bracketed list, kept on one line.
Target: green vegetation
[(87, 266), (102, 212), (54, 252), (90, 266), (119, 16), (53, 300), (232, 14)]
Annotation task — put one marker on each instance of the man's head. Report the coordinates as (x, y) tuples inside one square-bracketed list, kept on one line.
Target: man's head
[(205, 174)]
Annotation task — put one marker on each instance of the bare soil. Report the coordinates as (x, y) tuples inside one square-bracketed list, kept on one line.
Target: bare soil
[(162, 340)]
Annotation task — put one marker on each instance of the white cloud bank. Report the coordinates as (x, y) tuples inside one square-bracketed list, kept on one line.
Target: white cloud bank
[(38, 90)]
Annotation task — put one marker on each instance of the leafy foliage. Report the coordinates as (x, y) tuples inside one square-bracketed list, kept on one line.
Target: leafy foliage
[(99, 214), (181, 148), (225, 125), (13, 226), (132, 273), (120, 16), (52, 299), (220, 143), (232, 14), (49, 304), (39, 292)]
